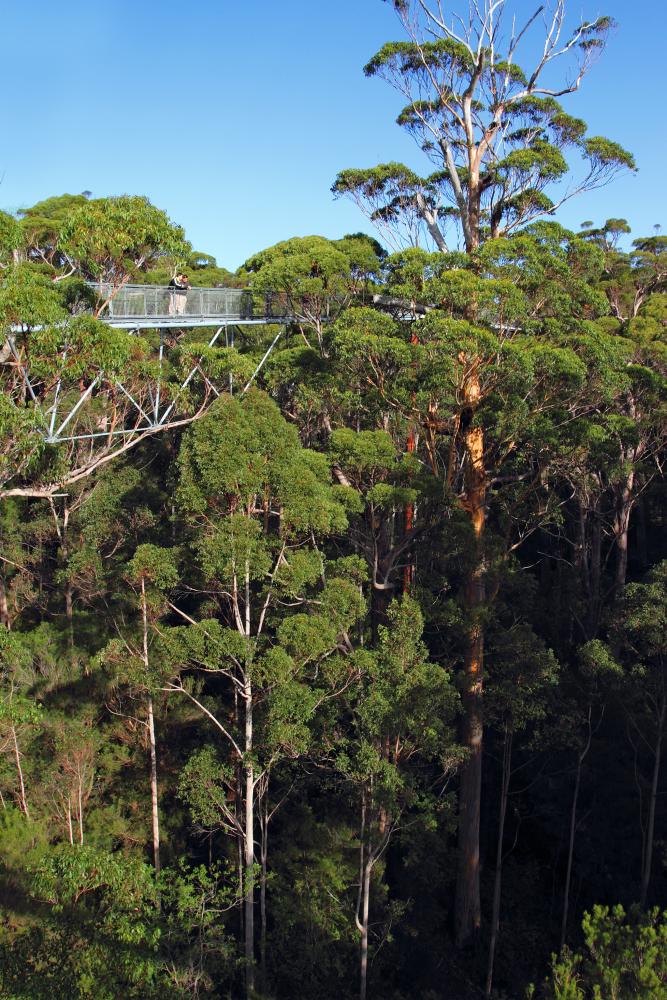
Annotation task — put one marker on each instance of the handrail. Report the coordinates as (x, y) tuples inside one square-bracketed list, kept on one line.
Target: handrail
[(165, 302)]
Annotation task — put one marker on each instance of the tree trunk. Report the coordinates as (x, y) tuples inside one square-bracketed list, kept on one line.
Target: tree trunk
[(69, 591), (264, 854), (467, 911), (4, 606), (239, 864), (23, 801), (80, 810), (497, 882), (573, 829), (650, 828), (642, 533), (365, 907), (154, 790), (249, 845), (151, 736), (595, 573), (69, 614), (624, 504)]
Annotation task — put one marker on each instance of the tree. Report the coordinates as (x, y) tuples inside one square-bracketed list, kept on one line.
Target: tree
[(494, 130), (315, 277), (402, 717), (644, 628), (523, 675), (493, 407), (498, 138), (624, 958), (151, 572), (257, 501), (111, 239)]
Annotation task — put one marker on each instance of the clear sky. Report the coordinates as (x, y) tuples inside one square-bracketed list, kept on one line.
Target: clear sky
[(236, 116)]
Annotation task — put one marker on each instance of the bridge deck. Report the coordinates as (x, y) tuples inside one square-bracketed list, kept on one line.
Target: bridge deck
[(138, 307)]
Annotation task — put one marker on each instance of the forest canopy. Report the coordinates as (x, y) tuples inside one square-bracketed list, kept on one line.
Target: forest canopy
[(345, 674)]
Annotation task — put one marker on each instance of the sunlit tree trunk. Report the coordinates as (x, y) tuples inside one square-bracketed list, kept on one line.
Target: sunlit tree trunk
[(4, 606), (70, 828), (264, 854), (154, 789), (23, 801), (363, 898), (365, 907), (249, 844)]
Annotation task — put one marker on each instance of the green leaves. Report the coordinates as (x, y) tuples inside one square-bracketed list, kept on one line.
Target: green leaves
[(493, 127), (624, 957), (108, 239), (156, 566), (28, 298), (11, 237), (604, 153), (243, 456)]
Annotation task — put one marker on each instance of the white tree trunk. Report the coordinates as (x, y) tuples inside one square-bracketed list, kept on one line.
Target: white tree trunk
[(249, 845), (154, 789), (151, 736), (23, 802)]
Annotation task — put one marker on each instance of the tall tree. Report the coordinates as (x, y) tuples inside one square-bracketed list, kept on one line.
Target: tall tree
[(499, 140), (257, 501)]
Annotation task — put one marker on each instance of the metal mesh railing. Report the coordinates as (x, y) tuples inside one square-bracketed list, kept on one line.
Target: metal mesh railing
[(159, 301), (142, 301)]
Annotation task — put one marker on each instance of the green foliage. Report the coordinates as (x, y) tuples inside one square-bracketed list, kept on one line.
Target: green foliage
[(624, 958), (99, 935), (11, 237), (244, 450), (109, 239), (465, 91), (300, 560)]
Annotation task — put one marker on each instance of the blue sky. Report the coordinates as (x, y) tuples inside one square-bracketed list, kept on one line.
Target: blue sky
[(236, 117)]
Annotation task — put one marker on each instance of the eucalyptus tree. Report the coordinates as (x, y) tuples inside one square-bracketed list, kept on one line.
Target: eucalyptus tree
[(502, 146), (18, 713), (635, 285), (402, 710), (522, 677), (371, 462), (40, 226), (11, 240), (277, 629), (493, 129), (113, 239), (151, 573), (314, 277), (495, 406), (591, 685), (643, 628)]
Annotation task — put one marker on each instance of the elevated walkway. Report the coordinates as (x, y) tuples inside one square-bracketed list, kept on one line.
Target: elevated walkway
[(174, 382), (138, 307)]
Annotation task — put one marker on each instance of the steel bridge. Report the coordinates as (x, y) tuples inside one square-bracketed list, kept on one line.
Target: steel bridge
[(139, 307), (178, 375)]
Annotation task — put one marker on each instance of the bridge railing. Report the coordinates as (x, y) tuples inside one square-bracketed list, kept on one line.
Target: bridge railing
[(162, 302)]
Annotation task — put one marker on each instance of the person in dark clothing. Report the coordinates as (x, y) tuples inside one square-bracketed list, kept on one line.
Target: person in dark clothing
[(178, 297)]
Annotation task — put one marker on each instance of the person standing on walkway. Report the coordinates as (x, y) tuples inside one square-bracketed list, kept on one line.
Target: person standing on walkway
[(178, 296)]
